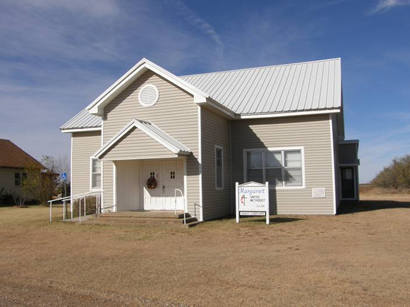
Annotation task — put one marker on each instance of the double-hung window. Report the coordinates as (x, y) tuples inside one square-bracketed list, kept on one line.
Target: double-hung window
[(95, 173), (17, 179), (219, 172), (280, 167)]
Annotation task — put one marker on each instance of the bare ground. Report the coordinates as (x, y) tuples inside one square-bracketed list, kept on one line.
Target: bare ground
[(360, 257)]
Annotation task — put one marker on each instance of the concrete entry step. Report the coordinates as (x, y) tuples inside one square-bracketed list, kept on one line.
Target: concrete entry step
[(193, 224), (143, 217), (143, 214), (190, 220), (181, 215)]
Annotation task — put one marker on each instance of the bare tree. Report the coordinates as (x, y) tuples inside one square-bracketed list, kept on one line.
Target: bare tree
[(49, 178)]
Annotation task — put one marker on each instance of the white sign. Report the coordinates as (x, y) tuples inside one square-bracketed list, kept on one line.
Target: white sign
[(252, 198), (252, 213), (318, 192)]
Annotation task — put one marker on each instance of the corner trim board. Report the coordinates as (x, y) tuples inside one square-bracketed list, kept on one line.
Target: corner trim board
[(332, 150), (201, 218)]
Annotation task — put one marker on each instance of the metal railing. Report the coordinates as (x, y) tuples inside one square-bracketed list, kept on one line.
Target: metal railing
[(81, 198), (183, 199)]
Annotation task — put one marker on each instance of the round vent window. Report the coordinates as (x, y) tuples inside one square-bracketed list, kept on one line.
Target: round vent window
[(148, 95)]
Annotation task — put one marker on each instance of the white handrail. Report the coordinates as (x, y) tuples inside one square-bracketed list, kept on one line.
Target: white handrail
[(175, 198), (76, 195), (72, 198)]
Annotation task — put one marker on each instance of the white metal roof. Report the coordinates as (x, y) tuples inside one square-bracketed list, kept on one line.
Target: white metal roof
[(82, 120), (277, 89), (151, 130), (294, 87)]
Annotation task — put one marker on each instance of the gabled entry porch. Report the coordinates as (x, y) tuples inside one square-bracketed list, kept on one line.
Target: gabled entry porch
[(131, 191), (149, 168)]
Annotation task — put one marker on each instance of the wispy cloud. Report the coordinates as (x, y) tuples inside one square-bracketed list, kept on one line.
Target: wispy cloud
[(385, 5), (95, 8), (56, 56), (195, 20)]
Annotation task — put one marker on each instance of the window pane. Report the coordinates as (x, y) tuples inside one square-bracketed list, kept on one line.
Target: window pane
[(96, 181), (347, 173), (274, 176), (293, 176), (219, 169), (255, 175), (219, 177), (219, 157), (273, 159), (218, 154), (293, 158), (96, 166), (17, 178), (254, 159)]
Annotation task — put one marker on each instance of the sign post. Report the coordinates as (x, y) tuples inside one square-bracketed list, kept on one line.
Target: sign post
[(252, 199), (63, 177)]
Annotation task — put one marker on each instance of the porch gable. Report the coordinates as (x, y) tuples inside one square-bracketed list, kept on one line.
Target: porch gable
[(141, 140)]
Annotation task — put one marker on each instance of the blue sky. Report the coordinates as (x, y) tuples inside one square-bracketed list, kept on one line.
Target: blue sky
[(57, 56)]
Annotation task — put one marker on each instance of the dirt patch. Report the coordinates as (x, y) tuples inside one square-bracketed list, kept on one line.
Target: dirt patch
[(371, 192), (361, 257)]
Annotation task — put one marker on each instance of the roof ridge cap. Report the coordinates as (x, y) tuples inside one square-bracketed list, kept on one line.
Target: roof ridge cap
[(256, 67)]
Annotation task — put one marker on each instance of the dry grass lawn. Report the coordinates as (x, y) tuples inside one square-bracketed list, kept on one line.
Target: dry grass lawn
[(360, 257)]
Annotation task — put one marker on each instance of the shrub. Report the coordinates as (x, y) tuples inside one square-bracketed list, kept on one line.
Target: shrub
[(6, 198), (396, 175)]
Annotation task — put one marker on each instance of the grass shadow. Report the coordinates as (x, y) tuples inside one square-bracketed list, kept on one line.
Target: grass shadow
[(349, 207), (274, 220)]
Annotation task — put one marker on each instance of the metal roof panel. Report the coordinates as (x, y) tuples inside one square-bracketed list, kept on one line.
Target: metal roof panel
[(304, 86)]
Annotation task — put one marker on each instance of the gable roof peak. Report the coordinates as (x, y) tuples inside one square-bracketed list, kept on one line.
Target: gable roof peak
[(131, 75)]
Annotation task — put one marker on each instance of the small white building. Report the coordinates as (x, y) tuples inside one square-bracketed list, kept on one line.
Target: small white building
[(153, 137)]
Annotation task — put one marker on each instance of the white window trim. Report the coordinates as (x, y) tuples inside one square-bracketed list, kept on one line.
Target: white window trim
[(222, 166), (302, 150), (156, 95), (91, 174)]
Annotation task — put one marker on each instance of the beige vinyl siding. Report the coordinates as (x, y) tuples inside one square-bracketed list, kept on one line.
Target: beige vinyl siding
[(175, 113), (336, 134), (215, 131), (108, 194), (311, 132), (84, 145), (136, 144)]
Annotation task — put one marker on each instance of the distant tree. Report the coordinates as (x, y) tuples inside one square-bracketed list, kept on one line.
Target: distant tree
[(396, 175), (49, 179), (41, 184), (30, 185)]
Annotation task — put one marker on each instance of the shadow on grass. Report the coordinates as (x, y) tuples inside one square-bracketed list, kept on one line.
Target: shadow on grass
[(274, 220), (348, 207)]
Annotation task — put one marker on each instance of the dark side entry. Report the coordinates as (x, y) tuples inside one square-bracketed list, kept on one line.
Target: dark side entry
[(348, 182)]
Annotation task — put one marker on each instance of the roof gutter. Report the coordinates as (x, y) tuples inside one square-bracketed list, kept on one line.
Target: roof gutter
[(287, 114), (72, 130), (216, 105)]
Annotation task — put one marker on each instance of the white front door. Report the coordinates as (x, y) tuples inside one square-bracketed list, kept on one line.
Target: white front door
[(127, 185), (169, 175)]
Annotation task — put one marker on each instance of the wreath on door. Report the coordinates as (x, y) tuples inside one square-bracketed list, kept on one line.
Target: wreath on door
[(151, 182)]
